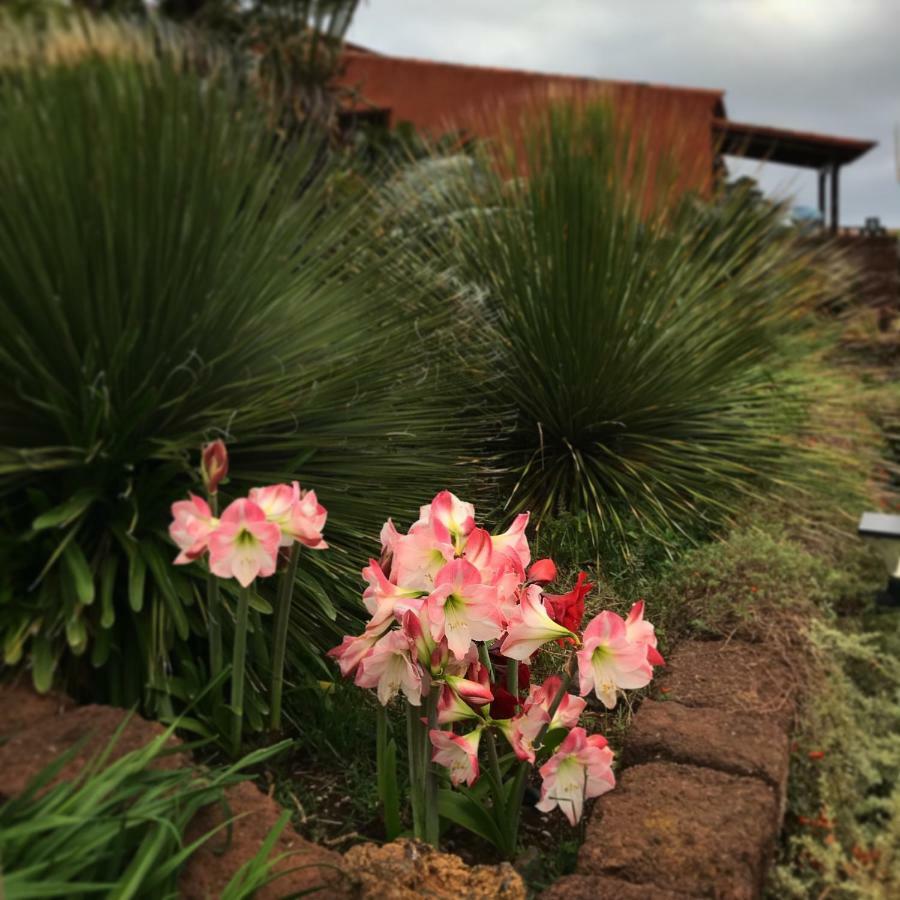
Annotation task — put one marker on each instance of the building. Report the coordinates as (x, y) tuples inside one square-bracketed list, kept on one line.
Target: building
[(691, 124)]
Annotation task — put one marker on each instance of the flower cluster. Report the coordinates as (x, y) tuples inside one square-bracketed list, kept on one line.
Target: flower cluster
[(444, 598), (243, 542)]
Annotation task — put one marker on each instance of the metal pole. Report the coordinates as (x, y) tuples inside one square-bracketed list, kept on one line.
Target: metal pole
[(835, 203)]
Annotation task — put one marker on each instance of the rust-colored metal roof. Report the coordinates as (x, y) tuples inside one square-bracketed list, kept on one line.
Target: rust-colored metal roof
[(782, 145), (429, 93)]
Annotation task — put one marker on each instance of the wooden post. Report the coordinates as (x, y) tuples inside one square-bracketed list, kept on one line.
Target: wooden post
[(835, 202)]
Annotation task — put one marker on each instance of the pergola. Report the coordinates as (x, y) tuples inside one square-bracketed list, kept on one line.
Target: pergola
[(824, 153)]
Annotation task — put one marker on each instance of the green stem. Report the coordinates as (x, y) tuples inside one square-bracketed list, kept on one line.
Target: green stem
[(282, 621), (416, 798), (501, 816), (386, 766), (485, 658), (431, 819), (512, 678), (518, 791), (238, 663), (214, 613)]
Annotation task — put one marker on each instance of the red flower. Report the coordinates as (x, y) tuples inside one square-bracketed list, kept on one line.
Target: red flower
[(568, 609)]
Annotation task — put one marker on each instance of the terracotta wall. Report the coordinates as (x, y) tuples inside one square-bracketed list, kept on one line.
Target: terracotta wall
[(441, 97)]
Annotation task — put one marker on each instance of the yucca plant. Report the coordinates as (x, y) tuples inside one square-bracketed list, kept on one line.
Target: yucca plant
[(172, 272), (635, 332)]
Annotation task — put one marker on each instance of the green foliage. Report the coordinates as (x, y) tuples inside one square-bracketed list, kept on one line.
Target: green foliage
[(844, 803), (171, 272), (636, 338), (118, 828)]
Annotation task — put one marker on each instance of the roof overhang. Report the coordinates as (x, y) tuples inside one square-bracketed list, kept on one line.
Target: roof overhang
[(793, 148)]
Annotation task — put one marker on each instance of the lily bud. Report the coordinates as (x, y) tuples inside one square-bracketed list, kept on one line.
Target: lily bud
[(213, 465)]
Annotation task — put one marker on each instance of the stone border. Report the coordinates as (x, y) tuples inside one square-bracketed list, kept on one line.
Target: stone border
[(699, 804)]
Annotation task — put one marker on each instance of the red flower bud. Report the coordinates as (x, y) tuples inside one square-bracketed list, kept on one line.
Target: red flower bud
[(213, 465)]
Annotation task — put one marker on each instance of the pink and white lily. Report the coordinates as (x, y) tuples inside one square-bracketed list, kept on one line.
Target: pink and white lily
[(459, 753), (385, 600), (639, 631), (579, 770), (530, 627), (609, 661), (521, 731), (244, 545), (542, 695), (389, 668), (513, 542), (417, 557), (298, 514), (462, 609), (192, 524)]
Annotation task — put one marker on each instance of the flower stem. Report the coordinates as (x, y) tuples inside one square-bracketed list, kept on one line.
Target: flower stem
[(414, 753), (431, 819), (282, 621), (485, 658), (512, 678), (214, 614), (238, 663), (518, 790), (501, 816)]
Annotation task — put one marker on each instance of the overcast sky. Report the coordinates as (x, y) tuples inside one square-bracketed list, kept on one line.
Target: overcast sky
[(831, 66)]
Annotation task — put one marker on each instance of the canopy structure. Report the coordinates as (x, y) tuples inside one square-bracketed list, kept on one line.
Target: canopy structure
[(822, 152)]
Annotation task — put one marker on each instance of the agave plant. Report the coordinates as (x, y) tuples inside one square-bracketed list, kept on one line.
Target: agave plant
[(635, 332), (171, 272)]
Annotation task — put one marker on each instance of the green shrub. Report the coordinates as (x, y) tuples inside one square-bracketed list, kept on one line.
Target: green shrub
[(636, 337), (170, 272), (844, 791)]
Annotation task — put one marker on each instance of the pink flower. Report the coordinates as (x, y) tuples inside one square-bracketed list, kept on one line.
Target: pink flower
[(352, 650), (244, 545), (609, 661), (459, 753), (542, 571), (418, 557), (579, 770), (639, 631), (522, 731), (570, 707), (383, 599), (389, 537), (449, 517), (307, 521), (475, 692), (417, 628), (192, 524), (298, 515), (529, 627), (213, 465), (513, 543), (462, 609), (390, 668), (452, 708)]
